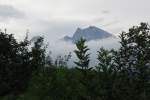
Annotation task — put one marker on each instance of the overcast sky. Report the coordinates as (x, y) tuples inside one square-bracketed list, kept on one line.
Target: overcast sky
[(56, 18)]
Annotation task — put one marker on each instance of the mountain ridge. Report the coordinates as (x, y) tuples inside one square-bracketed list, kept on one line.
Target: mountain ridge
[(89, 33)]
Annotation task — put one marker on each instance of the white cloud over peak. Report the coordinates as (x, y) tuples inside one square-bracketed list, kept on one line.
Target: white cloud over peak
[(57, 18)]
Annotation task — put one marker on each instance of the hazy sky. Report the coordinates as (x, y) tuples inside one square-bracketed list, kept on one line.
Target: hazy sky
[(56, 18)]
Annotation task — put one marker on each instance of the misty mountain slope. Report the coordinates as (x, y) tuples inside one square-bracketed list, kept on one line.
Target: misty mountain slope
[(63, 48), (90, 33)]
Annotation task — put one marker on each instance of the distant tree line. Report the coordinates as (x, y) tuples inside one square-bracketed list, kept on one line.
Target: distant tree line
[(28, 73)]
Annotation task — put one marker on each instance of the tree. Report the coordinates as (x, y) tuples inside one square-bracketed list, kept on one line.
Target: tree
[(106, 63), (38, 54), (106, 74), (82, 55), (15, 66), (83, 65), (61, 61), (49, 61), (133, 61)]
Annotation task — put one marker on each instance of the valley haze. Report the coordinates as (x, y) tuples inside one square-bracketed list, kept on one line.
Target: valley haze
[(96, 38)]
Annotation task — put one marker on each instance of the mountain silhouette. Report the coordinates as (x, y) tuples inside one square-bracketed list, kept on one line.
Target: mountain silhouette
[(89, 33)]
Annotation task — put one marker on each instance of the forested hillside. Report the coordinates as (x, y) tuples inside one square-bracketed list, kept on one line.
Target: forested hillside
[(28, 73)]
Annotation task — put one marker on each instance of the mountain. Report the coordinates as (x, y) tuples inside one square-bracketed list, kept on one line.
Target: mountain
[(89, 33)]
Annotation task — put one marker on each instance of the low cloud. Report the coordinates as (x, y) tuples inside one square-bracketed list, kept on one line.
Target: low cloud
[(63, 48), (105, 11), (8, 12), (111, 23)]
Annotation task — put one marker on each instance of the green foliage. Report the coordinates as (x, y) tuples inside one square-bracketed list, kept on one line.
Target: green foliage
[(106, 74), (122, 74), (17, 63), (61, 61), (106, 63), (14, 64), (133, 58), (38, 54), (48, 60), (55, 84), (82, 55)]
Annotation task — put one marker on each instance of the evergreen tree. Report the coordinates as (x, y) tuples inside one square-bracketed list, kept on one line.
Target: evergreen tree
[(83, 65), (82, 55)]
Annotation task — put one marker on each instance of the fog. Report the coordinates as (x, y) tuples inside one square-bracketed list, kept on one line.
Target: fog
[(63, 48)]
